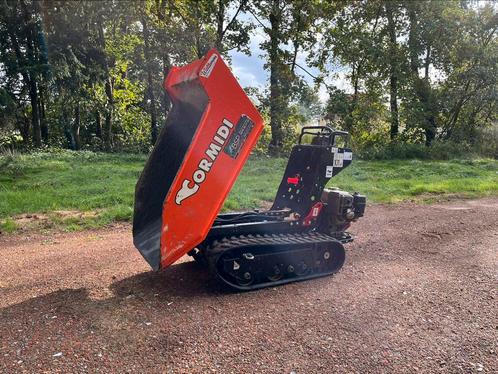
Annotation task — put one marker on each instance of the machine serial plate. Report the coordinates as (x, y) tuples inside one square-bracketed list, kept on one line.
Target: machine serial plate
[(239, 136)]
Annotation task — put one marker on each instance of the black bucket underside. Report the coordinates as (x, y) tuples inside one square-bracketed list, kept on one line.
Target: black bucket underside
[(162, 167)]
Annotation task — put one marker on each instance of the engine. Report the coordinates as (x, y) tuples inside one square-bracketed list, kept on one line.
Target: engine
[(341, 208)]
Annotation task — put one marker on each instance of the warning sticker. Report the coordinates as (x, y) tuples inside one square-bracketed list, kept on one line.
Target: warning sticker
[(338, 160), (348, 155), (329, 171), (208, 68)]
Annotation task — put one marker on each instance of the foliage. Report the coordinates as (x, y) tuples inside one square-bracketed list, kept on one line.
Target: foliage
[(435, 61), (88, 75)]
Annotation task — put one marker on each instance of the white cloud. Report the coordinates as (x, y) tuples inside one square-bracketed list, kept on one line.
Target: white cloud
[(245, 77), (250, 69)]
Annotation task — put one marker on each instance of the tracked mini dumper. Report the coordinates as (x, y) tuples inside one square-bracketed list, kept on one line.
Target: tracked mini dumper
[(201, 150)]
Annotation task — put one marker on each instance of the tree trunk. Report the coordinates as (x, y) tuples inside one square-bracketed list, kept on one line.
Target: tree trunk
[(68, 133), (35, 118), (25, 126), (454, 118), (150, 82), (197, 30), (220, 18), (427, 61), (43, 118), (76, 128), (221, 28), (107, 135), (165, 99), (413, 45), (24, 129), (430, 135), (276, 99), (349, 119), (33, 89), (421, 87), (98, 125), (393, 71), (108, 131)]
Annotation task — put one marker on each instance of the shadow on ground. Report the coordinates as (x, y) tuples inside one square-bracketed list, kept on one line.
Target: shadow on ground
[(141, 315), (187, 279), (179, 284)]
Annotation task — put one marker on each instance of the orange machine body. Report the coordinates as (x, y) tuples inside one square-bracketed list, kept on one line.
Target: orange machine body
[(208, 170)]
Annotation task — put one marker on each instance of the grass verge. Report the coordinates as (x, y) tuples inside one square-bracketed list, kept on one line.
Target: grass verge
[(77, 190)]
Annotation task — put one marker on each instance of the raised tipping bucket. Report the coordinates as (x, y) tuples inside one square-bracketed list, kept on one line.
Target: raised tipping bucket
[(200, 151)]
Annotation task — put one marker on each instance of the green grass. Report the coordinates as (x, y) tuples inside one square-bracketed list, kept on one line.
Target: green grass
[(80, 181), (382, 181), (398, 180), (8, 225), (104, 184)]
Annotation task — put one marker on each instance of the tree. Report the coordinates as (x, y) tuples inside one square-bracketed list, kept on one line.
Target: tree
[(231, 33), (352, 39), (390, 8), (90, 74), (426, 31), (471, 68), (22, 37), (109, 84), (148, 67), (171, 29), (290, 28)]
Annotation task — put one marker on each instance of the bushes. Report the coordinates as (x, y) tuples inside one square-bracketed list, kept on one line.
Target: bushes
[(406, 151), (483, 144), (487, 142), (480, 143), (10, 140)]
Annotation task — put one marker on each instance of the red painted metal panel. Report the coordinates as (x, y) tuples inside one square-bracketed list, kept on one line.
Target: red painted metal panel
[(209, 169)]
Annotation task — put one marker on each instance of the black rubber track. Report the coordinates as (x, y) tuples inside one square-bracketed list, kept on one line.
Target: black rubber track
[(265, 245)]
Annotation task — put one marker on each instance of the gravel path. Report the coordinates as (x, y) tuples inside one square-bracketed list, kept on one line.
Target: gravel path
[(419, 292)]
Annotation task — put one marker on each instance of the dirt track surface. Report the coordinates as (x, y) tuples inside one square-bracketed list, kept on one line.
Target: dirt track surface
[(419, 292)]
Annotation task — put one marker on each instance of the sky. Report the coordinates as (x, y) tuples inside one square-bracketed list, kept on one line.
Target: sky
[(250, 71)]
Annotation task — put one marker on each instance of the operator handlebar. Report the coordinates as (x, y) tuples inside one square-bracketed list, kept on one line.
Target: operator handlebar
[(325, 132)]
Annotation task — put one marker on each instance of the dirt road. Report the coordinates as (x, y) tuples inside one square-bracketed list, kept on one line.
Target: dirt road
[(419, 292)]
